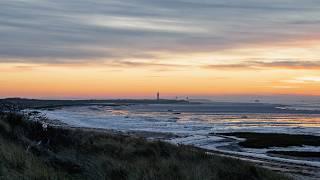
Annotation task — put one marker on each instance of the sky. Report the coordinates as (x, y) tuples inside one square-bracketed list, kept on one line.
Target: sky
[(134, 48)]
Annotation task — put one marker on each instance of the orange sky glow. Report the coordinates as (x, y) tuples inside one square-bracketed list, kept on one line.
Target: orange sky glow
[(209, 73), (180, 48)]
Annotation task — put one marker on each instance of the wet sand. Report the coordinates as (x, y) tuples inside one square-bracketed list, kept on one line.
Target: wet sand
[(295, 170)]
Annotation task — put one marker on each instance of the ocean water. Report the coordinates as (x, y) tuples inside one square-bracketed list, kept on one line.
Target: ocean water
[(198, 119), (196, 124)]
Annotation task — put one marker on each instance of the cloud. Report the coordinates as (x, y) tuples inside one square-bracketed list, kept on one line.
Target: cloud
[(284, 87), (303, 80), (310, 79), (228, 66), (145, 24), (307, 79), (142, 64), (293, 65), (94, 31), (311, 65)]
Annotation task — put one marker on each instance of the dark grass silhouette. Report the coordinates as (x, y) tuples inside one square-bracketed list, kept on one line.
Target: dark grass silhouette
[(76, 154)]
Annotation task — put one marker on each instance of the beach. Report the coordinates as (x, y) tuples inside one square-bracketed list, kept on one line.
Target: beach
[(221, 128)]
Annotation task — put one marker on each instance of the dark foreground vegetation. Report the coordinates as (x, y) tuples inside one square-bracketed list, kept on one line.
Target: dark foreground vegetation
[(266, 140), (28, 152)]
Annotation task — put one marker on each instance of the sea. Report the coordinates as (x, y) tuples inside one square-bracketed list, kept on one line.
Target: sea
[(199, 124), (195, 118)]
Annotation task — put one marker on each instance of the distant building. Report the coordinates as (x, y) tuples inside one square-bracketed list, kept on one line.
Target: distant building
[(158, 96)]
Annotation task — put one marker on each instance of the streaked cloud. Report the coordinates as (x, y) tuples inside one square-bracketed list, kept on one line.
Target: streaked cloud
[(295, 65), (310, 79), (78, 31), (145, 24), (284, 87), (78, 47), (305, 79), (139, 64)]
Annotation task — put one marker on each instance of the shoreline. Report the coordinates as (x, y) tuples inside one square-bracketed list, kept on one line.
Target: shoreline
[(62, 152), (298, 169)]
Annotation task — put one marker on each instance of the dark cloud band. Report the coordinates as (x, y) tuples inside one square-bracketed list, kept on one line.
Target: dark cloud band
[(74, 31)]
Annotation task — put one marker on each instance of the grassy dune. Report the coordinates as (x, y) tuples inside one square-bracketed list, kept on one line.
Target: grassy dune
[(75, 154)]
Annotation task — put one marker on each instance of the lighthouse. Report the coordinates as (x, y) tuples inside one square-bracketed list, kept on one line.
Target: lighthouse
[(158, 96)]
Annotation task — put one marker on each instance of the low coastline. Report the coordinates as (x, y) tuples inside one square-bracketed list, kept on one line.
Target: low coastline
[(69, 153), (291, 168)]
